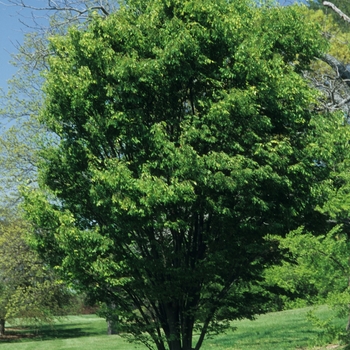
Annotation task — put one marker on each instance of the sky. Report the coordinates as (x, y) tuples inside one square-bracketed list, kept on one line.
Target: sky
[(12, 31), (11, 35)]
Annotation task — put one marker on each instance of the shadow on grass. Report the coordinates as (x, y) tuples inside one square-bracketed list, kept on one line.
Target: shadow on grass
[(48, 332)]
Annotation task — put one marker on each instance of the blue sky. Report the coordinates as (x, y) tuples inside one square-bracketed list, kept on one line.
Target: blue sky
[(10, 32)]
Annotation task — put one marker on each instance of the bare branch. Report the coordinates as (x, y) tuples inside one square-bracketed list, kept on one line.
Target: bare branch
[(336, 10), (342, 103), (338, 67), (54, 6)]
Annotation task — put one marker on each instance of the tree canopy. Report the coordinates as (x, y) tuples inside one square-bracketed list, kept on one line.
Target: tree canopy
[(184, 134)]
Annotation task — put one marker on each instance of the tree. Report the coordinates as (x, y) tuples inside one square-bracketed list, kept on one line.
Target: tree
[(28, 287), (343, 5), (184, 135)]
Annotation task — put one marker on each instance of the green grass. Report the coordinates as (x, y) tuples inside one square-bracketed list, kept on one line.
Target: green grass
[(278, 331), (287, 330), (87, 332)]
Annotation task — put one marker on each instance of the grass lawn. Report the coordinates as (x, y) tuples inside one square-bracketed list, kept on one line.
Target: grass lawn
[(284, 330), (287, 330)]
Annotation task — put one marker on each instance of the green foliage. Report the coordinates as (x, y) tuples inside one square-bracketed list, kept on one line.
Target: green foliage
[(338, 38), (343, 5), (185, 134), (330, 331), (28, 288), (318, 273), (324, 77), (318, 269)]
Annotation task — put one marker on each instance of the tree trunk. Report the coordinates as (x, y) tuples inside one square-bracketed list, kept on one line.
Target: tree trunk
[(173, 338), (2, 327), (187, 334), (348, 325), (112, 320), (112, 327)]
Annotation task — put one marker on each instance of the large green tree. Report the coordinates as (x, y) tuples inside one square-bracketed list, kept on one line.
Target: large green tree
[(184, 134)]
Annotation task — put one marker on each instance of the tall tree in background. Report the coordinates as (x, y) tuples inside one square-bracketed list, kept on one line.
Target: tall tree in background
[(184, 134)]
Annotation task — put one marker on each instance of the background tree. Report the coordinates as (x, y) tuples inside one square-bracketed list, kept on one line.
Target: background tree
[(185, 134), (318, 275), (28, 288), (343, 5), (329, 74)]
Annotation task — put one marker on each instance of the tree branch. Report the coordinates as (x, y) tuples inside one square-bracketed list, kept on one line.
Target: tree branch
[(336, 10), (337, 66), (54, 6)]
